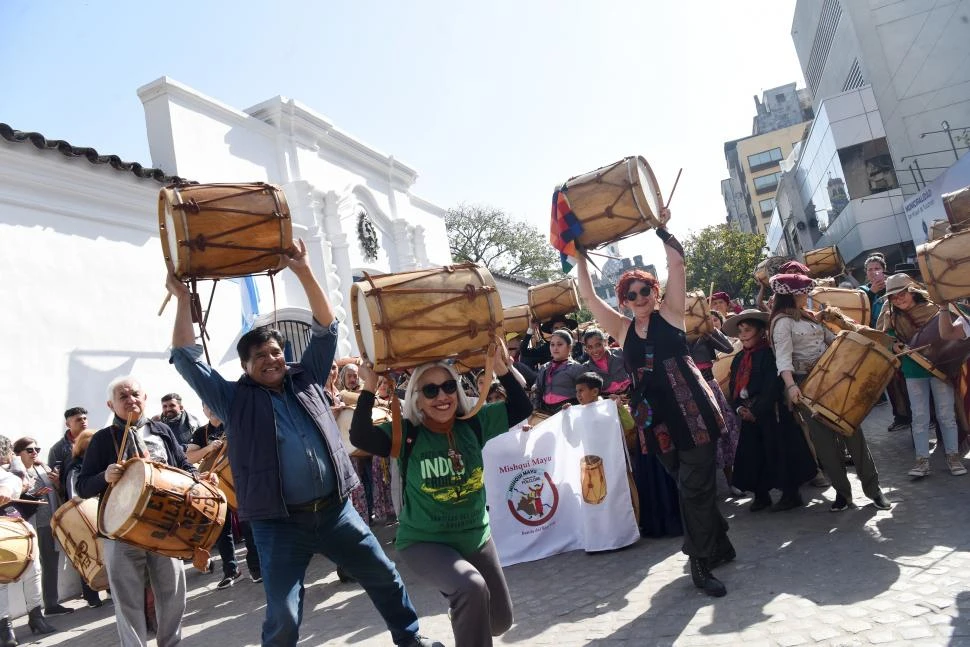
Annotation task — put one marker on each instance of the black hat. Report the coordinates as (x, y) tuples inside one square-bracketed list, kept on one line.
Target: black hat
[(908, 268), (570, 323)]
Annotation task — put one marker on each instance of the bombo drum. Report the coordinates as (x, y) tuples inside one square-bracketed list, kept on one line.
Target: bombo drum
[(162, 509), (854, 304), (697, 316), (17, 545), (768, 268), (615, 201), (516, 319), (957, 207), (345, 417), (75, 526), (406, 319), (945, 264), (214, 231), (824, 261), (217, 462), (847, 380), (552, 299)]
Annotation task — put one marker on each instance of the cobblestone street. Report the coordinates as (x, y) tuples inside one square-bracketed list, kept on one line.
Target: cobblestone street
[(809, 576)]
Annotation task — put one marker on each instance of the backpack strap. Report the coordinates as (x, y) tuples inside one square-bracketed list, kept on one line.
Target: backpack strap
[(410, 434)]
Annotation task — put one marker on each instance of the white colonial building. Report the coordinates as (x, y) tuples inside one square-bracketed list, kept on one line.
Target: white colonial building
[(82, 263)]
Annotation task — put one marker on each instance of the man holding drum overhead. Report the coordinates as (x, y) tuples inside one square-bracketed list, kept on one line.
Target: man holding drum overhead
[(127, 563), (276, 415)]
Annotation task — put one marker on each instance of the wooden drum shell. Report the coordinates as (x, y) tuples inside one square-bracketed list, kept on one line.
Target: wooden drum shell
[(75, 526), (824, 262), (846, 382), (945, 265), (407, 319), (214, 231), (552, 299), (615, 201)]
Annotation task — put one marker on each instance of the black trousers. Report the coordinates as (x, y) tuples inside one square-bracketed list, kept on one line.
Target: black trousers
[(48, 565), (694, 470)]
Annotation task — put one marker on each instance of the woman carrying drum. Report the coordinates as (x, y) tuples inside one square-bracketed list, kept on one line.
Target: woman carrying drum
[(678, 419), (444, 532), (12, 486), (911, 312), (799, 341)]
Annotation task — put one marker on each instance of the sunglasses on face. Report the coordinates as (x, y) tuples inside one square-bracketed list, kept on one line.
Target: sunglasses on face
[(430, 391), (645, 291), (32, 450)]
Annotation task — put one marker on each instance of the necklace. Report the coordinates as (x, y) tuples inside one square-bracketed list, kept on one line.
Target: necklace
[(641, 330)]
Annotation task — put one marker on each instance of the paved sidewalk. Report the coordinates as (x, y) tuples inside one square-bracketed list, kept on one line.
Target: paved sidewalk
[(804, 577)]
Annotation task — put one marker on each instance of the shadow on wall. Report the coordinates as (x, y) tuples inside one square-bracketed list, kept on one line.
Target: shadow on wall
[(40, 216), (90, 372)]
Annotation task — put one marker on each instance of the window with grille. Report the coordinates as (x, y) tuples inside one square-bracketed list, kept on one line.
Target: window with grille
[(854, 79), (824, 35), (296, 335)]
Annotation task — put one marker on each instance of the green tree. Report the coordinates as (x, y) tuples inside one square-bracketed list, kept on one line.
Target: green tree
[(725, 257), (488, 236)]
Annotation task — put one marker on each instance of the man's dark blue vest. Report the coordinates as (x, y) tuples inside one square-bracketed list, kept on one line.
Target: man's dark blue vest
[(254, 453)]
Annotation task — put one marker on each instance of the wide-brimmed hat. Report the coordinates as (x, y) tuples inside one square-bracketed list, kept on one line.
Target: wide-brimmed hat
[(570, 323), (898, 283), (730, 327)]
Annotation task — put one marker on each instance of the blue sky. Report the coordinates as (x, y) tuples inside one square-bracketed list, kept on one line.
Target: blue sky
[(492, 102)]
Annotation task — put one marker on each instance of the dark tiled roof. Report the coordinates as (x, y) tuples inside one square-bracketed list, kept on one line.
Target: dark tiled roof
[(44, 144), (522, 280)]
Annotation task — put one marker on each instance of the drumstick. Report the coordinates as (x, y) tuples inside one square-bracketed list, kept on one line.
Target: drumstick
[(28, 501), (669, 197), (910, 351), (124, 437), (168, 297)]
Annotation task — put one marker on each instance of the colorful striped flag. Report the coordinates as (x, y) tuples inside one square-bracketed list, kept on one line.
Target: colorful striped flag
[(565, 229)]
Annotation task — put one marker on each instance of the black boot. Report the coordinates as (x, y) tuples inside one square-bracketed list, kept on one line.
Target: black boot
[(704, 579), (38, 623), (7, 637), (723, 553)]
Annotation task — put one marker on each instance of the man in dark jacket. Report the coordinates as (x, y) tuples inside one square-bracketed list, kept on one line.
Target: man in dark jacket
[(182, 423), (127, 563), (291, 472), (76, 421)]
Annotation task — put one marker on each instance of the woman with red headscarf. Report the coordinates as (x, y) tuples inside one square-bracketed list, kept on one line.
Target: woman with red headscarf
[(678, 419)]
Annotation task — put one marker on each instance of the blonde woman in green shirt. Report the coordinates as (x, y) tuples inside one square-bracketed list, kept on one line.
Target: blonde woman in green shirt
[(444, 533)]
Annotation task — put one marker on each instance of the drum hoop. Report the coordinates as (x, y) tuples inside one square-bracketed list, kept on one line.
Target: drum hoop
[(31, 538), (835, 422)]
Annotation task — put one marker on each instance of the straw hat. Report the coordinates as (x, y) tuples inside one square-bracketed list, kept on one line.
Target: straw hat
[(730, 327)]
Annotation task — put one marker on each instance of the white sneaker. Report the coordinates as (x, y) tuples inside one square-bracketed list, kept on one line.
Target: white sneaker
[(922, 468), (955, 464)]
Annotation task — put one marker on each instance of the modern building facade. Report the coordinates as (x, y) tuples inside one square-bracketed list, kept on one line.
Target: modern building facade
[(782, 115), (839, 188), (913, 57)]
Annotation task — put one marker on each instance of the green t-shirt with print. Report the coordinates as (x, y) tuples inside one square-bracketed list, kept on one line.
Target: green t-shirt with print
[(441, 506)]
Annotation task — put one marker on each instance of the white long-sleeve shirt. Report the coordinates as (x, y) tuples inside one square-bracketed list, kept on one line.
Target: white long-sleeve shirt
[(799, 344)]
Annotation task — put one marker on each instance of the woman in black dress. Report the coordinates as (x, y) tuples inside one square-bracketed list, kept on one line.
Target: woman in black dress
[(677, 416)]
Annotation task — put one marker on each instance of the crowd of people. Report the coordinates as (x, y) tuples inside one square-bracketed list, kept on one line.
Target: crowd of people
[(338, 460)]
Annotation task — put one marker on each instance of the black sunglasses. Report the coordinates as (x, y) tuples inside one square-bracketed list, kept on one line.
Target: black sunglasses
[(32, 450), (645, 291), (430, 391)]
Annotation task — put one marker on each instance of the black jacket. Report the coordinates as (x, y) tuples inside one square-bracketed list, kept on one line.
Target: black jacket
[(103, 452)]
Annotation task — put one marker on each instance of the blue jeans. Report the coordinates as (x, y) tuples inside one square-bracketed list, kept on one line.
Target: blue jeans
[(285, 547), (919, 401)]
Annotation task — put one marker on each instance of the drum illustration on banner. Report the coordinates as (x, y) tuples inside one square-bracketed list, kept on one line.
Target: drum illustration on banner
[(593, 478), (532, 497)]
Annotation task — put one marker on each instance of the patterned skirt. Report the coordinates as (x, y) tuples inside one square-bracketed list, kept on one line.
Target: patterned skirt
[(727, 444), (372, 498)]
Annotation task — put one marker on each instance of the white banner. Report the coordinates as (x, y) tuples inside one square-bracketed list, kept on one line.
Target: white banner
[(926, 206), (561, 486)]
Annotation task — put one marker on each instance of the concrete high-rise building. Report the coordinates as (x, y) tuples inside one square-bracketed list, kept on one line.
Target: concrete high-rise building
[(782, 115), (912, 58)]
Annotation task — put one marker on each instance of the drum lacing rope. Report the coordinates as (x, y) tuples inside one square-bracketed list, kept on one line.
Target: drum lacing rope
[(851, 377)]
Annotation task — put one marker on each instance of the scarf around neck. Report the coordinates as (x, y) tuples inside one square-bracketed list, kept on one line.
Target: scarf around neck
[(744, 368)]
